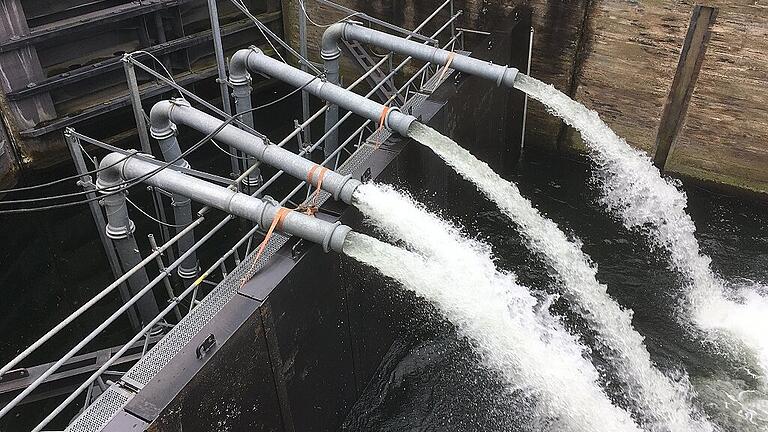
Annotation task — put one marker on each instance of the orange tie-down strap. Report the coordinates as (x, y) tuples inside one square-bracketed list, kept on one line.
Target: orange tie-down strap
[(320, 176), (277, 223), (382, 121), (448, 62)]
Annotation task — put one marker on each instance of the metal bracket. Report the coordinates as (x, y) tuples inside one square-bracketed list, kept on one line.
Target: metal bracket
[(206, 346)]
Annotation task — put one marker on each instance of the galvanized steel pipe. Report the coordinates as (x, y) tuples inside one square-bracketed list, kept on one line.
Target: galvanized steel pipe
[(165, 114), (254, 59), (354, 32), (261, 211), (182, 205), (120, 229)]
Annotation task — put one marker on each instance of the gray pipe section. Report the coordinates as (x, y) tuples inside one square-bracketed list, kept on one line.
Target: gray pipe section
[(120, 229), (241, 92), (254, 59), (332, 113), (350, 31), (166, 113), (261, 211), (182, 205)]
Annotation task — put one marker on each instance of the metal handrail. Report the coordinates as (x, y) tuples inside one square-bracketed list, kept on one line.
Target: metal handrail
[(232, 251)]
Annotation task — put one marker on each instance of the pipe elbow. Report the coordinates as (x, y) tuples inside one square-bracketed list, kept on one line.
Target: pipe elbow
[(161, 126), (109, 176), (330, 43), (238, 67)]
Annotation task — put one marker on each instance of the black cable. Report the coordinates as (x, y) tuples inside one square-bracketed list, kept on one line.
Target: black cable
[(51, 183), (130, 183)]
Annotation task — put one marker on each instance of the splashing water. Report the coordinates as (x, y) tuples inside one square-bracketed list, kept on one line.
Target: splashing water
[(663, 401), (507, 329), (633, 188)]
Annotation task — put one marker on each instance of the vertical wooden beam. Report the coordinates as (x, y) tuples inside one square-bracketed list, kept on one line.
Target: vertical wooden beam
[(691, 58)]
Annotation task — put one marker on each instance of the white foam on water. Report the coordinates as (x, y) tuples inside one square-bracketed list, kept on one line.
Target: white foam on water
[(664, 403), (633, 188), (502, 321)]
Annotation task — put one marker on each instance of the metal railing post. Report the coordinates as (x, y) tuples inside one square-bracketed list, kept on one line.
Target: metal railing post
[(141, 128), (213, 11), (303, 51)]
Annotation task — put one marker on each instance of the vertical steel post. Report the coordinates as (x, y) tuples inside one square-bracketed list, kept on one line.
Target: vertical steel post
[(213, 11), (525, 104), (86, 182), (138, 112), (304, 53), (141, 129), (241, 91), (166, 281)]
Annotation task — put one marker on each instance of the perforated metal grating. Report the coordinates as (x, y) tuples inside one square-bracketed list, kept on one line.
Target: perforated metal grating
[(101, 411), (109, 403)]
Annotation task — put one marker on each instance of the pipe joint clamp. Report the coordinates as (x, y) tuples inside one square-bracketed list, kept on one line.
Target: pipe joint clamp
[(121, 232)]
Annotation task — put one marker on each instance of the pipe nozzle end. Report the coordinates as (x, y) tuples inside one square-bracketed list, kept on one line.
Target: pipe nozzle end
[(509, 76), (348, 189), (335, 239), (398, 122)]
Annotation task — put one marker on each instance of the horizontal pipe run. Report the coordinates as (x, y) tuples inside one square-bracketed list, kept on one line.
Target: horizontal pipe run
[(262, 212), (501, 75), (254, 59), (165, 114)]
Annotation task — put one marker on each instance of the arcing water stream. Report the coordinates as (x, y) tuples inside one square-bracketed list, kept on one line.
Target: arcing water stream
[(633, 188), (661, 402), (512, 334)]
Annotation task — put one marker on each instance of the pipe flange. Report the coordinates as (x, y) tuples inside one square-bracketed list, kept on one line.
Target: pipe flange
[(270, 201), (179, 200), (190, 273), (253, 181), (240, 81), (329, 236), (330, 55), (337, 192), (386, 119), (502, 75), (119, 233), (163, 133)]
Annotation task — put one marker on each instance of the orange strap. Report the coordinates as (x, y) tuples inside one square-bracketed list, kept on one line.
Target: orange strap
[(277, 222), (382, 121), (448, 62), (320, 177)]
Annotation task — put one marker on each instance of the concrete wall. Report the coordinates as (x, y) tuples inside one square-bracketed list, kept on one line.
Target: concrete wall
[(618, 57)]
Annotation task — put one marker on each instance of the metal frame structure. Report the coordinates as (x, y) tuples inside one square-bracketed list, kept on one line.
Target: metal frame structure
[(187, 305)]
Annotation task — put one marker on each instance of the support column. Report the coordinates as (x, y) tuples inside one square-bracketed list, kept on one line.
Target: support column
[(241, 92), (688, 67), (331, 61), (182, 205)]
